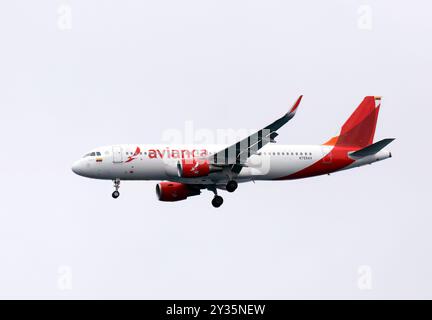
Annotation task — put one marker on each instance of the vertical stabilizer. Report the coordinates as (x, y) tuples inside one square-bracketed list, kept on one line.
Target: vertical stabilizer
[(359, 130)]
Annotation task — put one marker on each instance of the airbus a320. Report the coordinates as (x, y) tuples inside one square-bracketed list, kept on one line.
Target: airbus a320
[(186, 170)]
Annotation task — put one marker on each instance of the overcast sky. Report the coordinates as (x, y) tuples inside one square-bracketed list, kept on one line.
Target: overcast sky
[(78, 74)]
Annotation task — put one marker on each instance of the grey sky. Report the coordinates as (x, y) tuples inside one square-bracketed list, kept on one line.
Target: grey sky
[(128, 70)]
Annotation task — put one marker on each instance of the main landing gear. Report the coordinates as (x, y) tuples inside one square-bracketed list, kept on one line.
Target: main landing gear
[(217, 200), (116, 193), (231, 186)]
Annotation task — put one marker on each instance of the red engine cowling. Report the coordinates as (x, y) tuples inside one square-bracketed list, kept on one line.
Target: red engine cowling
[(192, 168), (174, 191)]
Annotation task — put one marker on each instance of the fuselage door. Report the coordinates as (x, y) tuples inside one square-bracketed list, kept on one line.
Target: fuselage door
[(117, 154)]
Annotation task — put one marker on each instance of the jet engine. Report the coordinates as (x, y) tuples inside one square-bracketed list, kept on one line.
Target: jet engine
[(194, 168), (175, 191)]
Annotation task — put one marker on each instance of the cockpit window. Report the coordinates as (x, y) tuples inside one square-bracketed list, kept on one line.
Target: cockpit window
[(91, 154), (98, 154)]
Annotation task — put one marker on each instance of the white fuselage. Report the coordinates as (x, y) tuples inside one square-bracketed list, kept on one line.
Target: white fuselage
[(159, 162)]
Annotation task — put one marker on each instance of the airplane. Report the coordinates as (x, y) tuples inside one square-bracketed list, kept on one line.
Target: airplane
[(185, 170)]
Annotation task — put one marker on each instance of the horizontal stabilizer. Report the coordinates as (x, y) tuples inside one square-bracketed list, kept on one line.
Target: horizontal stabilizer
[(371, 149)]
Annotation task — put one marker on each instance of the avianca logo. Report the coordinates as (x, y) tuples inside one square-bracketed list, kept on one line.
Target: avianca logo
[(170, 154), (134, 156), (194, 169), (176, 154)]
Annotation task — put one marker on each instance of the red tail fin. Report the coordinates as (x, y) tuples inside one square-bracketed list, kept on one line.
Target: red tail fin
[(359, 129)]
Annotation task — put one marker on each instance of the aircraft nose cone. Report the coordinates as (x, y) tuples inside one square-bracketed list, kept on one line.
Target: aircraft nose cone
[(77, 168)]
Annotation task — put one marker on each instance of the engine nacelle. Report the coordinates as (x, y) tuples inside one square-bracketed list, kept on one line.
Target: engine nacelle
[(174, 191), (193, 168)]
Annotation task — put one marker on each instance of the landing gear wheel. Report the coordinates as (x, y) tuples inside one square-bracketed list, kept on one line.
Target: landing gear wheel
[(231, 186), (217, 201), (116, 193)]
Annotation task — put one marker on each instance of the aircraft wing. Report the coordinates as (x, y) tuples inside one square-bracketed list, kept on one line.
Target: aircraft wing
[(237, 154)]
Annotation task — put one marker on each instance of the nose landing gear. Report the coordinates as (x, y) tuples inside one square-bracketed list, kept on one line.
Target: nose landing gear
[(116, 193)]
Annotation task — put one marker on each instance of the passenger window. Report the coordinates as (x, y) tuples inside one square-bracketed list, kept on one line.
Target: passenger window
[(92, 154)]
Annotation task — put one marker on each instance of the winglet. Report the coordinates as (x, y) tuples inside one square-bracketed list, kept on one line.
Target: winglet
[(294, 107)]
